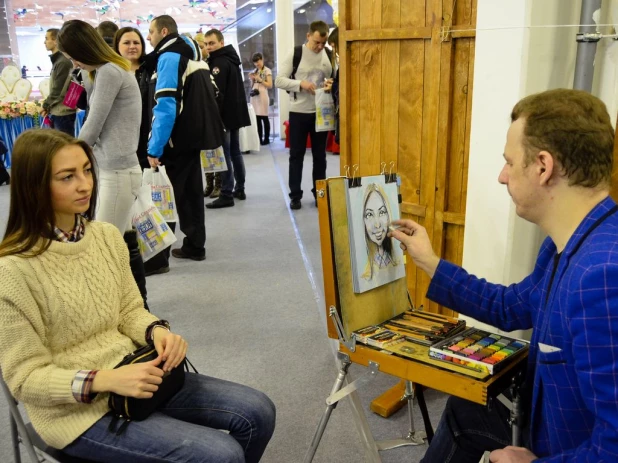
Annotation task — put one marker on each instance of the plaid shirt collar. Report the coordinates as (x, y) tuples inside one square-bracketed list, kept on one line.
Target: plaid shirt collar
[(74, 235)]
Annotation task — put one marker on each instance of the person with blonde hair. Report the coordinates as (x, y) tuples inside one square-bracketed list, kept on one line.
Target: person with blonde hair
[(111, 129)]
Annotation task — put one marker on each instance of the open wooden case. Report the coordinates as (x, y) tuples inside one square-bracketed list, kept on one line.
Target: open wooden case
[(347, 311)]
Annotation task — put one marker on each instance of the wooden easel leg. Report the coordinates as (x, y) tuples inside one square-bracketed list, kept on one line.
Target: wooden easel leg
[(339, 382)]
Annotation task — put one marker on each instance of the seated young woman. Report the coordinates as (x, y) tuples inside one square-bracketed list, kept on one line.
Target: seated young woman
[(70, 310)]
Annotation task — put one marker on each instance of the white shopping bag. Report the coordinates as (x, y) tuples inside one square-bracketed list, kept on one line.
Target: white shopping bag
[(324, 111), (162, 192), (153, 234), (213, 160)]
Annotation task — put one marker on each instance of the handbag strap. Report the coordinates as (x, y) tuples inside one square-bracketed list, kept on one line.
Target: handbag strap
[(187, 363)]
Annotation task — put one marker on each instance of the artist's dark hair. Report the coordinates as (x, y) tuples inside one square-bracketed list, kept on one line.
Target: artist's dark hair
[(575, 128), (256, 57), (217, 33), (53, 32), (167, 22), (126, 30), (319, 26), (82, 42), (31, 215)]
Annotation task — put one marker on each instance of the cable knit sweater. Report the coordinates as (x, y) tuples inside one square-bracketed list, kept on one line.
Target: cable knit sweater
[(74, 307)]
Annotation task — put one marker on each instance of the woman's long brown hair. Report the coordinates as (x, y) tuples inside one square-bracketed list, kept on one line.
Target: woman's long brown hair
[(31, 215)]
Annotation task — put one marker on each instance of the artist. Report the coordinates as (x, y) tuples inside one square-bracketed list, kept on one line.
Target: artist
[(558, 165)]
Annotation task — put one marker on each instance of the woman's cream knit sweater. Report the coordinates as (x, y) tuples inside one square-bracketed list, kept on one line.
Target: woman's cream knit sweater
[(74, 307)]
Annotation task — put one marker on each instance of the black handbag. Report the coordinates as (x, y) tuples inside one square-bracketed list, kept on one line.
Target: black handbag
[(132, 409)]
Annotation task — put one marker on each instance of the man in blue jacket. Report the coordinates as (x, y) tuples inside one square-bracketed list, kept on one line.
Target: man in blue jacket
[(185, 120), (558, 166)]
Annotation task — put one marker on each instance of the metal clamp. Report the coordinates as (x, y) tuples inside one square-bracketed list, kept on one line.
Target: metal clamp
[(350, 344), (354, 385), (589, 37)]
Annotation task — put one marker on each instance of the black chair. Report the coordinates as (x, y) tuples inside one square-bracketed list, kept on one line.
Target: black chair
[(22, 433)]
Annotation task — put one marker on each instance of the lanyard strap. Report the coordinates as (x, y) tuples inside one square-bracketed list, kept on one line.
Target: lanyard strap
[(594, 226)]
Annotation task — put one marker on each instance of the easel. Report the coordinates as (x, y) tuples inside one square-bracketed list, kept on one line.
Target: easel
[(347, 311)]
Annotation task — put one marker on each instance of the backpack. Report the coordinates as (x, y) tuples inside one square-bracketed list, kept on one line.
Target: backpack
[(298, 54)]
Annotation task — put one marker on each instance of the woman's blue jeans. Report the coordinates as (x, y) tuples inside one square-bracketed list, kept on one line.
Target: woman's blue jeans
[(466, 430), (189, 428)]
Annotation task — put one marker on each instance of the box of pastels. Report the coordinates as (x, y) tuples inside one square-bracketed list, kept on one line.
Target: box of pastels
[(479, 350)]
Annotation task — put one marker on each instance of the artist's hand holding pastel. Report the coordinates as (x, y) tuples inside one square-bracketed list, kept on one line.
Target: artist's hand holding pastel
[(512, 454), (414, 239), (172, 348)]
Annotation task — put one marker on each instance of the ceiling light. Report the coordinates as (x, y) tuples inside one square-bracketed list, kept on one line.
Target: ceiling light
[(301, 11)]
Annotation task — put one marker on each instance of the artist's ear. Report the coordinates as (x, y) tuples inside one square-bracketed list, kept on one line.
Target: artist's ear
[(545, 166)]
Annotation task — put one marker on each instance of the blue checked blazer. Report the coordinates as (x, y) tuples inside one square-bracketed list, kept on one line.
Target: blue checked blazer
[(574, 408)]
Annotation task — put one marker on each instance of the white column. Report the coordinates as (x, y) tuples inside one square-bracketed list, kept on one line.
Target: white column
[(499, 77), (284, 18)]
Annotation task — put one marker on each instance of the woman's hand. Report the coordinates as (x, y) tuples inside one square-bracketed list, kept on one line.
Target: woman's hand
[(414, 239), (328, 85), (139, 380), (172, 348)]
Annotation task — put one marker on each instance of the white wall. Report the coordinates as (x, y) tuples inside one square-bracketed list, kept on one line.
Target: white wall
[(284, 17), (32, 53), (510, 64)]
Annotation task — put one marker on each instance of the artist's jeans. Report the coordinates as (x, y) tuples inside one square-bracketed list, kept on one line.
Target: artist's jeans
[(118, 190), (189, 428), (466, 430), (235, 164)]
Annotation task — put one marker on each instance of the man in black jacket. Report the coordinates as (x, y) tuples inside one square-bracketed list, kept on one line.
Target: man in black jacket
[(185, 120), (224, 64)]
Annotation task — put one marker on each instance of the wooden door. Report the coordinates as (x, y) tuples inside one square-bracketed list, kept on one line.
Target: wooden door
[(406, 99)]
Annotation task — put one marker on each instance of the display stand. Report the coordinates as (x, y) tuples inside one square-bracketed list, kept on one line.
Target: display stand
[(348, 311)]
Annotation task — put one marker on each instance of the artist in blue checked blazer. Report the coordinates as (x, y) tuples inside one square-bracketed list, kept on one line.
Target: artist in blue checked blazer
[(558, 165)]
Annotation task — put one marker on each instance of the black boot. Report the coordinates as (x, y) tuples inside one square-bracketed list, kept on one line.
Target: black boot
[(137, 264), (4, 175)]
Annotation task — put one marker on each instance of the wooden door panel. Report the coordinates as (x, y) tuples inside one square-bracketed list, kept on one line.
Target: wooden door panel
[(406, 80)]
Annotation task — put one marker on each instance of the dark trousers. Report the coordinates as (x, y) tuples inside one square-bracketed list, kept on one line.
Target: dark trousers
[(4, 175), (65, 124), (235, 164), (263, 133), (184, 172), (302, 125), (466, 430)]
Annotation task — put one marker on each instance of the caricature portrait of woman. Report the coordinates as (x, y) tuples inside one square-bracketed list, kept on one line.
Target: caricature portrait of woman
[(376, 217)]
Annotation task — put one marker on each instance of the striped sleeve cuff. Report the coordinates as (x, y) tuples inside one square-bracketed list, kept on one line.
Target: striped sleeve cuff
[(82, 384)]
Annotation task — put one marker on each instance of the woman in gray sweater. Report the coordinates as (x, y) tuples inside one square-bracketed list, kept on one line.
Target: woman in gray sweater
[(114, 117), (112, 129)]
